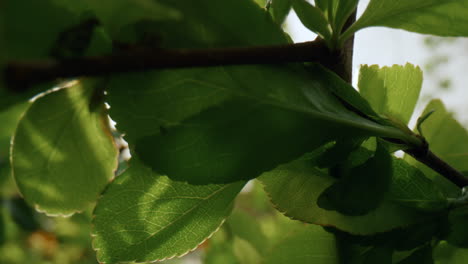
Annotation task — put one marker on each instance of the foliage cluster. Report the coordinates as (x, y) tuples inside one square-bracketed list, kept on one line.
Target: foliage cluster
[(319, 151)]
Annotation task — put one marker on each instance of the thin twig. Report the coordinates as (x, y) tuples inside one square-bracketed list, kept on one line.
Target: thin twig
[(21, 75)]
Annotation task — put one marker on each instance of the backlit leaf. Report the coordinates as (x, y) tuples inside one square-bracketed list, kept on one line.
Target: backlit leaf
[(306, 183), (63, 153), (392, 91), (144, 216)]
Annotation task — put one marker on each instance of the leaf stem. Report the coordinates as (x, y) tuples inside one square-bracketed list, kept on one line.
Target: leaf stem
[(20, 75)]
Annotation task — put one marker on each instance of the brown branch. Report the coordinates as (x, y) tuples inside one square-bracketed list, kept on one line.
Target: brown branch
[(431, 160), (22, 74)]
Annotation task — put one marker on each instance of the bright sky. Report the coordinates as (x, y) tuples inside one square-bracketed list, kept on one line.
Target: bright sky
[(386, 47)]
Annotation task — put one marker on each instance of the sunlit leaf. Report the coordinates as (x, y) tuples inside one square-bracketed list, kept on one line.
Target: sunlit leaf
[(63, 153), (307, 183), (392, 91), (444, 253), (143, 216), (412, 188)]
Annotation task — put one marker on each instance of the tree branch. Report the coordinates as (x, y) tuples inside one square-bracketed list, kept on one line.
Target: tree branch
[(22, 74), (431, 160)]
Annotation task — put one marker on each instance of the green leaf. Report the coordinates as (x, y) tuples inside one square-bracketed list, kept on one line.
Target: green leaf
[(307, 183), (457, 233), (360, 189), (322, 4), (220, 253), (341, 89), (247, 228), (442, 18), (245, 252), (144, 216), (392, 91), (18, 22), (115, 14), (401, 239), (225, 124), (420, 256), (22, 214), (448, 140), (410, 187), (218, 145), (312, 18), (342, 10), (63, 154), (16, 36), (444, 253), (311, 244), (356, 254), (280, 10)]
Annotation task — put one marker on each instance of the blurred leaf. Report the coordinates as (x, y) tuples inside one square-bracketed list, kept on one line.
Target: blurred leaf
[(115, 14), (361, 189), (47, 24), (392, 91), (63, 153), (280, 10), (457, 232), (221, 253), (448, 140), (311, 244), (75, 40), (445, 253), (16, 36), (307, 183), (420, 256), (22, 214), (351, 253), (342, 10), (442, 18), (247, 228), (400, 239), (312, 18), (245, 252), (143, 216)]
